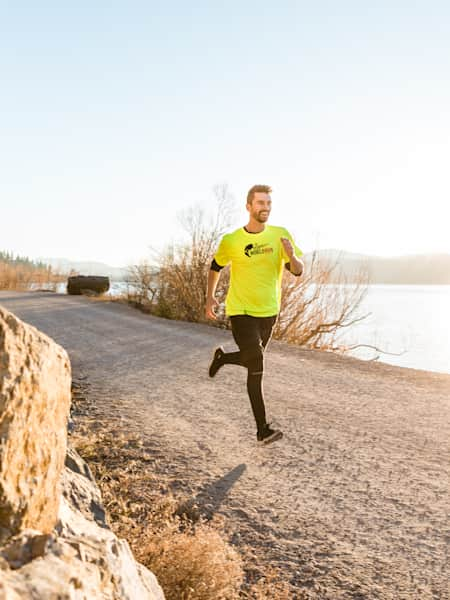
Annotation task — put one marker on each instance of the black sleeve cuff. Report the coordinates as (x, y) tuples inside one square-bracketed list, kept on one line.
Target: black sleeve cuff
[(215, 266), (288, 267)]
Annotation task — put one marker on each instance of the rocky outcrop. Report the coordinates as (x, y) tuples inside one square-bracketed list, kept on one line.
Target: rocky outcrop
[(82, 559), (34, 406), (56, 542)]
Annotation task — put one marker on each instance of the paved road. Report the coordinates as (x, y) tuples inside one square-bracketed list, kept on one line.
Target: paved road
[(353, 503)]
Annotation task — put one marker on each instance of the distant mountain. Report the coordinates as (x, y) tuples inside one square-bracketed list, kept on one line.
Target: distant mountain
[(64, 265), (421, 269)]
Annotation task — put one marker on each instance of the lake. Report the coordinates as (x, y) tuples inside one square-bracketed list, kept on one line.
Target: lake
[(413, 320)]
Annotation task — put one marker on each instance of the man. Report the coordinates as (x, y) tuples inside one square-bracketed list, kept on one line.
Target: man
[(256, 253)]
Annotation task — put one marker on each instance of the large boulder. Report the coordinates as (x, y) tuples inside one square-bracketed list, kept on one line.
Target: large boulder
[(86, 284), (55, 542), (35, 378), (82, 559)]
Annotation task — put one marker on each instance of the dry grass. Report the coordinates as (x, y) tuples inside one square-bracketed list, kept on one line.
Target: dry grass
[(27, 276), (195, 563), (190, 557), (191, 560)]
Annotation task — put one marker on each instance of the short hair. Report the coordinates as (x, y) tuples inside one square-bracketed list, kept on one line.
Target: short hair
[(257, 188)]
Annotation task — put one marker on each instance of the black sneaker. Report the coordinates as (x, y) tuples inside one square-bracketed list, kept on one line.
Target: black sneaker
[(269, 435), (216, 362)]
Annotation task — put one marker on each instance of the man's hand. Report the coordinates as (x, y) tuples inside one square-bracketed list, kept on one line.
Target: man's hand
[(296, 265), (211, 305), (288, 247)]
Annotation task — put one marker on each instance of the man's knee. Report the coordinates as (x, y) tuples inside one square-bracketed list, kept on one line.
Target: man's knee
[(253, 359)]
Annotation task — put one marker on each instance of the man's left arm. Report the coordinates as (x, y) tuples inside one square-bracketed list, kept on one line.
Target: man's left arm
[(296, 265)]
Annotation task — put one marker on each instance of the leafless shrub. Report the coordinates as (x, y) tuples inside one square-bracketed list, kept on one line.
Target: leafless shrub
[(315, 309), (142, 283), (184, 268)]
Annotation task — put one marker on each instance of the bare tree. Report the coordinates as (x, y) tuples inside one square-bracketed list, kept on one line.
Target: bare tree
[(176, 287)]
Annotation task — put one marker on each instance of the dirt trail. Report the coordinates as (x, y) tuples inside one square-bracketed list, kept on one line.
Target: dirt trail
[(353, 503)]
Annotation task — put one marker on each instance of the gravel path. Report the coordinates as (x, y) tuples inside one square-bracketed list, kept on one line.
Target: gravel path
[(353, 503)]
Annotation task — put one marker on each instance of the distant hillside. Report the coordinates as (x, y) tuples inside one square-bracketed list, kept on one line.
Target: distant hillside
[(65, 265), (420, 269)]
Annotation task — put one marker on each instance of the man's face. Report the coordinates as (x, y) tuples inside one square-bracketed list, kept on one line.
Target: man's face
[(260, 207)]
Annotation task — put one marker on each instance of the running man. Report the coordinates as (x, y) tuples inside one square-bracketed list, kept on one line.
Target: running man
[(257, 254)]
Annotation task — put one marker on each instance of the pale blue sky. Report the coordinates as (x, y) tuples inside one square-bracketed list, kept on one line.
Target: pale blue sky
[(116, 115)]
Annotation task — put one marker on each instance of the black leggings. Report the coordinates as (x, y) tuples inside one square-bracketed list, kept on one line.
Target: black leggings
[(252, 335)]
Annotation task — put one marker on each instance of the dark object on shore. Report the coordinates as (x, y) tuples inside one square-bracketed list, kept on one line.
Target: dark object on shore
[(87, 284)]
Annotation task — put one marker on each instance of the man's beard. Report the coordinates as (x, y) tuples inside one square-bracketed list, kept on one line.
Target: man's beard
[(261, 216)]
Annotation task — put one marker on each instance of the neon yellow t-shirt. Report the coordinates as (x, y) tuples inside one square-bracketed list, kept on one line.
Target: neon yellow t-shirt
[(257, 261)]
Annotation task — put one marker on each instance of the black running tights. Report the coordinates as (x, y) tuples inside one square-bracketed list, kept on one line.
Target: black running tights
[(252, 334)]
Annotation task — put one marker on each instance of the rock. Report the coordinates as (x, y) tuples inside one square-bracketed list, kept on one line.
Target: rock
[(25, 547), (82, 570), (56, 543), (76, 464), (6, 593), (34, 407), (87, 284), (80, 560), (80, 489)]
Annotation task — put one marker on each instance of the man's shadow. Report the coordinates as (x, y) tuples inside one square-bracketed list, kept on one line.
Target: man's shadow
[(209, 499)]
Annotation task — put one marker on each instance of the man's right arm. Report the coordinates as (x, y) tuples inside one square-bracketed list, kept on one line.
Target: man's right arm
[(213, 278), (211, 302)]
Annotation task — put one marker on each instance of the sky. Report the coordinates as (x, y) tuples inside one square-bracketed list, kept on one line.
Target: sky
[(115, 116)]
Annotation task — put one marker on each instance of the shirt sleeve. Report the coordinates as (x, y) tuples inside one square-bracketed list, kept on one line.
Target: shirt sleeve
[(297, 250), (222, 255)]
